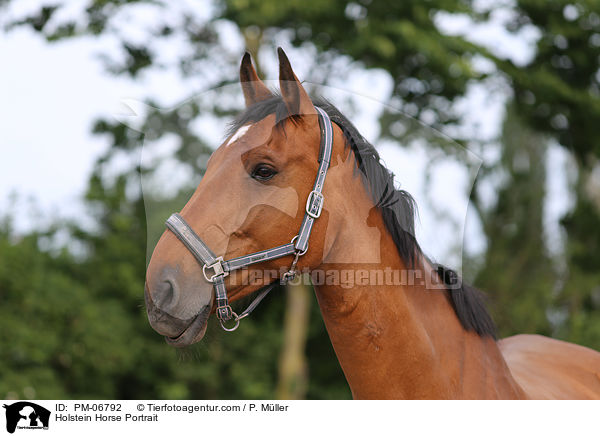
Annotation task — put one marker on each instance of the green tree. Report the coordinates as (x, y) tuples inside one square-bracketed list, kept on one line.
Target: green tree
[(558, 93), (518, 270)]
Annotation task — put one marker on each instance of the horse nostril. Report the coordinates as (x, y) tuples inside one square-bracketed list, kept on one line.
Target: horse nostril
[(163, 322), (165, 295)]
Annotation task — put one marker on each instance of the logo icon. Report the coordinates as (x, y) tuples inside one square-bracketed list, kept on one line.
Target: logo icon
[(26, 415)]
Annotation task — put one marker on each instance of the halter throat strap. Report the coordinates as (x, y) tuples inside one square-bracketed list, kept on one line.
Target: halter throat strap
[(215, 269)]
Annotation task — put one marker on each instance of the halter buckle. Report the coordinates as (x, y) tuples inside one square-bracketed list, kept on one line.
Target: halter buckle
[(224, 314), (218, 269), (314, 204)]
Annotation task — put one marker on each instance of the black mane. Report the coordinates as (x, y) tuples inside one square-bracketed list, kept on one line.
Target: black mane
[(397, 207)]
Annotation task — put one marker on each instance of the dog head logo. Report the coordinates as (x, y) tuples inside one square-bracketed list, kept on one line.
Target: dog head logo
[(26, 415)]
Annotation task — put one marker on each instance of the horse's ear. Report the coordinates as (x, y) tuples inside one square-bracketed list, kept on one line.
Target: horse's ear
[(295, 97), (254, 89)]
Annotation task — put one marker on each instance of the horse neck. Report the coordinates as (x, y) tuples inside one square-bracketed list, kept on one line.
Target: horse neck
[(401, 340)]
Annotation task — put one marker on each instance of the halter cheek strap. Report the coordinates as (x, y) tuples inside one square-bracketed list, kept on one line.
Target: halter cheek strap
[(215, 269)]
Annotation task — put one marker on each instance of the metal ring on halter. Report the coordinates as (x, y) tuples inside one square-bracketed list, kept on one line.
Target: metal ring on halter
[(217, 268), (235, 318), (305, 250)]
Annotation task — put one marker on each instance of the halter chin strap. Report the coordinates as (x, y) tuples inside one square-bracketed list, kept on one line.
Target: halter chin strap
[(215, 269)]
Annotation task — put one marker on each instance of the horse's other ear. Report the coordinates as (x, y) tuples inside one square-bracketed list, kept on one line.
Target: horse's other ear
[(253, 88), (295, 97)]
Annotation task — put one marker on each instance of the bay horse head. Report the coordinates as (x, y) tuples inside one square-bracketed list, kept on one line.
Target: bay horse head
[(262, 185)]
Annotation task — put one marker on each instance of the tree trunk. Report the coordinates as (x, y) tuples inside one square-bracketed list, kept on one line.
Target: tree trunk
[(293, 377)]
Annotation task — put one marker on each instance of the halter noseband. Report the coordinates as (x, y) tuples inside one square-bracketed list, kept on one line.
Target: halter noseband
[(297, 247)]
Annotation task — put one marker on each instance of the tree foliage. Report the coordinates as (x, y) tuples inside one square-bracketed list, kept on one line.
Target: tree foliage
[(86, 334), (559, 91), (518, 270)]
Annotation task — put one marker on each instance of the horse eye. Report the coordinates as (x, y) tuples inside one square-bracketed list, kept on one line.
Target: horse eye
[(263, 172)]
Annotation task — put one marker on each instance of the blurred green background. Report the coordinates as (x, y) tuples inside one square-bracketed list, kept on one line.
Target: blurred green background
[(72, 321)]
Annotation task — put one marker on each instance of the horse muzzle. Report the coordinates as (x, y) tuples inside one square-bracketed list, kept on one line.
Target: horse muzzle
[(177, 332)]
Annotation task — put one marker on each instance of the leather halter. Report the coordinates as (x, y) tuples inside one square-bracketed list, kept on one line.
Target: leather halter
[(297, 247)]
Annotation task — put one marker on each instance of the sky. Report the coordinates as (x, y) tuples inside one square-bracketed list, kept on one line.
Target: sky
[(50, 95)]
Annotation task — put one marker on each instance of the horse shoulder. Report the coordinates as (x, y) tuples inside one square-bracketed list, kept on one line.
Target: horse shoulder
[(547, 368)]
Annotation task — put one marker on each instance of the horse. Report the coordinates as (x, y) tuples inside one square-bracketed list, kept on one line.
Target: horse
[(421, 335)]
